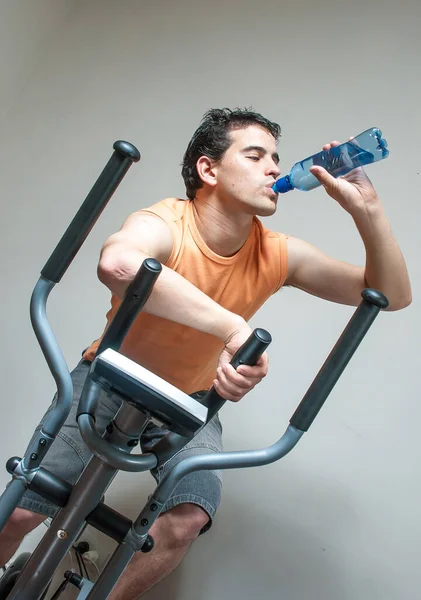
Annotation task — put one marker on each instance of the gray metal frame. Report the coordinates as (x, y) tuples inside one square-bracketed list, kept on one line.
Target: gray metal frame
[(111, 453), (93, 483)]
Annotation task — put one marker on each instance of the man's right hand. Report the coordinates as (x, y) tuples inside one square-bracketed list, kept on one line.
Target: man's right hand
[(233, 384)]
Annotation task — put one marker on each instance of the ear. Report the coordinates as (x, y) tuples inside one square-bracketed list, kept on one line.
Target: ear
[(207, 170)]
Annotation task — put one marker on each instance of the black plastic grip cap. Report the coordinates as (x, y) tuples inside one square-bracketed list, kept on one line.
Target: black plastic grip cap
[(152, 265), (12, 463), (250, 352), (127, 150), (375, 297)]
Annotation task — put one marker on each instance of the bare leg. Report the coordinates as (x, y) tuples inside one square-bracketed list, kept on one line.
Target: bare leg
[(20, 523), (173, 533)]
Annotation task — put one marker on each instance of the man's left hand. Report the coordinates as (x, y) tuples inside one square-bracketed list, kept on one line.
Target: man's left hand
[(354, 191)]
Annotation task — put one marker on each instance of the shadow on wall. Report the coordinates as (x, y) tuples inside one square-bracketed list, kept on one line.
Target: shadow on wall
[(293, 558), (243, 562)]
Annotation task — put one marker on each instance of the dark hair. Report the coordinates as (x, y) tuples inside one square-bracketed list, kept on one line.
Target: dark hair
[(212, 139)]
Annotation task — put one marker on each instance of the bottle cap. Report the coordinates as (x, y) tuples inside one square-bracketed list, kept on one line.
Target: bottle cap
[(282, 185)]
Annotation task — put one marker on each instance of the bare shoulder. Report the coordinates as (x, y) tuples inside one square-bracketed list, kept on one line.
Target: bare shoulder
[(298, 252), (146, 232)]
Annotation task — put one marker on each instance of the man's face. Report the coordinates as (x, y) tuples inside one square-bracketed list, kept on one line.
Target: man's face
[(247, 171)]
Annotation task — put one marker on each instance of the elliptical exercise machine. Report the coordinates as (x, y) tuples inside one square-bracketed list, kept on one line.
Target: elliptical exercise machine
[(145, 396)]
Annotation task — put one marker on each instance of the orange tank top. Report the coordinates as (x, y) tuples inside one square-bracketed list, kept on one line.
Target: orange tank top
[(183, 356)]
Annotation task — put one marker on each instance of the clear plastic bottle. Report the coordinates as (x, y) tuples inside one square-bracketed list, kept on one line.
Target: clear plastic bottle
[(365, 148)]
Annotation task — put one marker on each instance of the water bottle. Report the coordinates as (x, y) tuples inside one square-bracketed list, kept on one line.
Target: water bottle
[(365, 148)]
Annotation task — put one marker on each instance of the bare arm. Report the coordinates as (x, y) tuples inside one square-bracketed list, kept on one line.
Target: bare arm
[(173, 297), (385, 268), (315, 272)]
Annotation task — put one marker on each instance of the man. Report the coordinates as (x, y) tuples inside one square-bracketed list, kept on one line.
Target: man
[(220, 265)]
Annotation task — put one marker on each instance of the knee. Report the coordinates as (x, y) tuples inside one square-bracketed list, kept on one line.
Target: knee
[(183, 523), (20, 523)]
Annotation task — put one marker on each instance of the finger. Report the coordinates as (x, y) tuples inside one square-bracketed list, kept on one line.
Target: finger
[(225, 393), (258, 370), (254, 372), (237, 379), (234, 384), (329, 146), (324, 177), (227, 389)]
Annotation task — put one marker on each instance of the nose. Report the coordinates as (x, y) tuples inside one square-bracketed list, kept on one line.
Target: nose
[(274, 169)]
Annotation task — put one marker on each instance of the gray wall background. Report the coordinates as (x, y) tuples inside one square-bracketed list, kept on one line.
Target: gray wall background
[(340, 516)]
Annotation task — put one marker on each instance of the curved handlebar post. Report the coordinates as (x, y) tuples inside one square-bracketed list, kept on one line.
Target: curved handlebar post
[(102, 448), (114, 457), (212, 461), (124, 155), (373, 301)]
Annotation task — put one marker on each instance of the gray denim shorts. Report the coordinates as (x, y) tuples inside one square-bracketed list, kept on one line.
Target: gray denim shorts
[(69, 455)]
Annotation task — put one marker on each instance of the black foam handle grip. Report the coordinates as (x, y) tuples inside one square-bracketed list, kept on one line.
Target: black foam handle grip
[(124, 155), (248, 354), (309, 407), (134, 299)]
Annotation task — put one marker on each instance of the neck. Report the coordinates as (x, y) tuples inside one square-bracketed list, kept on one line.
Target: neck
[(223, 232)]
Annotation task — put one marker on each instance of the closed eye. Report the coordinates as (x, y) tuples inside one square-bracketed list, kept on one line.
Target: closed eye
[(255, 158)]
